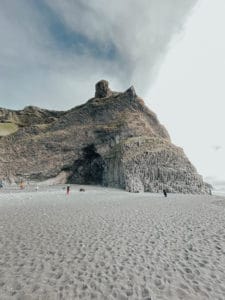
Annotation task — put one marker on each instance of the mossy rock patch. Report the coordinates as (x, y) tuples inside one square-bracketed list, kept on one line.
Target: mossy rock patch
[(7, 128)]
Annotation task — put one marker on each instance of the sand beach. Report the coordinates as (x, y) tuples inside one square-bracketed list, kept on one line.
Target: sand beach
[(109, 244)]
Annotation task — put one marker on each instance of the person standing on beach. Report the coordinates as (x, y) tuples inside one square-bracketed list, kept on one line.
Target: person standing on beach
[(68, 190), (22, 185), (164, 192)]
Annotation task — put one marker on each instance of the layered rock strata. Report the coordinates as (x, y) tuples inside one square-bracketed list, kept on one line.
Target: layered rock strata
[(112, 140)]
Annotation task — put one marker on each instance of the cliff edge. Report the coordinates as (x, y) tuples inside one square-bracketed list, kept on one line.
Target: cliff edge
[(112, 140)]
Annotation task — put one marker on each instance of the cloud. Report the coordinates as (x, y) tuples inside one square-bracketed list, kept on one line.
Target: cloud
[(216, 147), (52, 52)]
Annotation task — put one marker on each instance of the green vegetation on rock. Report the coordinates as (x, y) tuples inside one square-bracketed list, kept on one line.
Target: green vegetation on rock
[(7, 128)]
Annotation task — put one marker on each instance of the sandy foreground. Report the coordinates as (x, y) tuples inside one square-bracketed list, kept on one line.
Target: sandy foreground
[(110, 244)]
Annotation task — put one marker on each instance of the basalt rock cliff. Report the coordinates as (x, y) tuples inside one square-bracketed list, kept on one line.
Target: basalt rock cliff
[(112, 140)]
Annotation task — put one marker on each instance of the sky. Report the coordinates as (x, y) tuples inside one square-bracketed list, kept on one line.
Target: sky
[(189, 93), (53, 52)]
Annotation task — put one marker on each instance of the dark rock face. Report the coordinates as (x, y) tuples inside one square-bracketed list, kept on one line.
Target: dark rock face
[(131, 92), (102, 89), (112, 140), (89, 168)]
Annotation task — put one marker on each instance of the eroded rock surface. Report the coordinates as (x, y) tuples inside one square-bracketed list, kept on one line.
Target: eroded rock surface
[(102, 89), (113, 140)]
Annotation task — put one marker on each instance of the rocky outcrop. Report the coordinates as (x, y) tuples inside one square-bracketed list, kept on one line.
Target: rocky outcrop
[(102, 89), (112, 140), (12, 120)]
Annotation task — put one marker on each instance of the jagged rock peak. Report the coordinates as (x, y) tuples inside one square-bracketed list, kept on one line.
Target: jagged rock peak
[(131, 92), (102, 89)]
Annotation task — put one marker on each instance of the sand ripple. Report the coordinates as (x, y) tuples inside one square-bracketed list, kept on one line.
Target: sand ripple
[(108, 244)]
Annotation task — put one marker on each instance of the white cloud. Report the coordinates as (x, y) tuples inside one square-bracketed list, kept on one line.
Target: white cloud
[(37, 68)]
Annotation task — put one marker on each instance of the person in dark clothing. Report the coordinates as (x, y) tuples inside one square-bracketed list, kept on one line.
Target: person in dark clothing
[(68, 190), (164, 192)]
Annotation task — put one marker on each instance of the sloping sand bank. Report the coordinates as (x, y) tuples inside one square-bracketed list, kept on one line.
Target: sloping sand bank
[(109, 244)]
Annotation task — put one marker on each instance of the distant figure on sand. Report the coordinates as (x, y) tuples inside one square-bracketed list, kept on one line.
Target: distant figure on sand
[(22, 185), (164, 192), (68, 190)]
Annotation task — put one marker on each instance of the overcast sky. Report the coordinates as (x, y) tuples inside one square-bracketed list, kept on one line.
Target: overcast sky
[(189, 92), (53, 52)]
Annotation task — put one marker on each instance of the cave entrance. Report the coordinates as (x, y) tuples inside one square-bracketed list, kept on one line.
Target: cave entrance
[(89, 168)]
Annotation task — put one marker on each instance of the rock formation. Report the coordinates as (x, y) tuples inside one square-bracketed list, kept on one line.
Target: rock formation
[(102, 89), (112, 140)]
